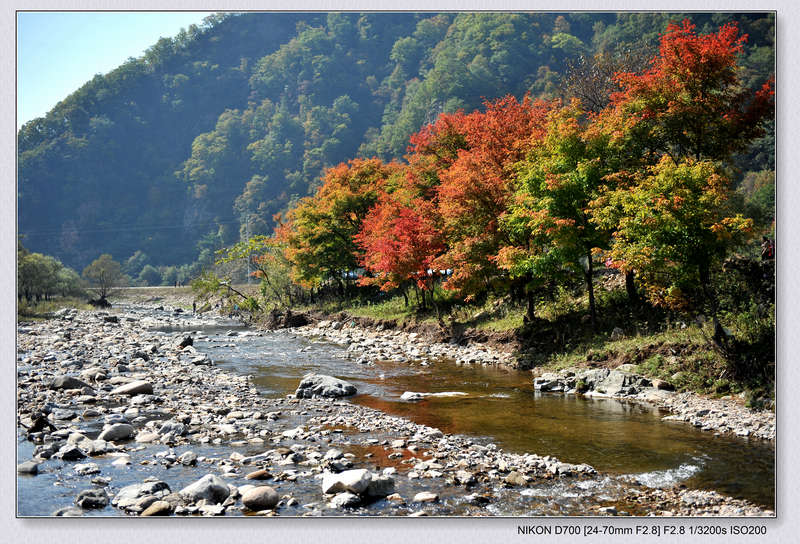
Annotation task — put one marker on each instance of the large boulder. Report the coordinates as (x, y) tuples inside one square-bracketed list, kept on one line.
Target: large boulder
[(211, 488), (321, 385)]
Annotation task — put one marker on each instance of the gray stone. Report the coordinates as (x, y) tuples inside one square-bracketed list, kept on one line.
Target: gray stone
[(87, 468), (68, 512), (70, 453), (188, 458), (67, 382), (172, 427), (345, 500), (129, 495), (92, 498), (260, 498), (380, 486), (138, 387), (320, 385), (28, 467), (355, 481), (210, 487), (117, 431)]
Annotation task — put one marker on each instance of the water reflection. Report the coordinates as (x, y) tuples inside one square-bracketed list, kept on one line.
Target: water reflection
[(500, 406)]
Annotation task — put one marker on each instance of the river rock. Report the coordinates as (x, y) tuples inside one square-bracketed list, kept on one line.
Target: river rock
[(92, 498), (70, 453), (515, 478), (172, 427), (68, 382), (321, 385), (137, 387), (465, 478), (158, 508), (117, 431), (145, 437), (258, 475), (345, 500), (129, 495), (210, 487), (259, 498), (28, 467), (425, 496), (188, 458), (68, 512), (355, 481), (87, 468), (380, 486)]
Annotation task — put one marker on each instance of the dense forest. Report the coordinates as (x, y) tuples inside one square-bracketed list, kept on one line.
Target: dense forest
[(197, 144)]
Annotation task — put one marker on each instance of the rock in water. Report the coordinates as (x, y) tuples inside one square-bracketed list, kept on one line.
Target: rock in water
[(92, 498), (355, 481), (345, 500), (211, 488), (129, 495), (320, 385), (118, 431), (262, 497), (158, 508), (380, 486), (137, 387), (28, 467), (425, 496)]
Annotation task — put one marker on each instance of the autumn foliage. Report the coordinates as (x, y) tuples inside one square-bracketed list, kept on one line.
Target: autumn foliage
[(525, 191)]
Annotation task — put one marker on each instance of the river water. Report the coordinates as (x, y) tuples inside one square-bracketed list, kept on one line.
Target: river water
[(500, 406)]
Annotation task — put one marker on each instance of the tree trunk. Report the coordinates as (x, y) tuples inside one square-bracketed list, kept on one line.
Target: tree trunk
[(590, 288), (630, 287), (405, 296), (530, 313)]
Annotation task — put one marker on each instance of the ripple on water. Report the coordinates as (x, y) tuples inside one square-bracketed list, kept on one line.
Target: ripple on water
[(669, 477)]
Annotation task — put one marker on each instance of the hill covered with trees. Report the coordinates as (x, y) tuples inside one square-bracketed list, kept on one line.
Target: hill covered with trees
[(197, 144)]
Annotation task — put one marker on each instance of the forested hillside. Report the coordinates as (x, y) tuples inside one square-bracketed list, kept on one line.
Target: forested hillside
[(198, 143)]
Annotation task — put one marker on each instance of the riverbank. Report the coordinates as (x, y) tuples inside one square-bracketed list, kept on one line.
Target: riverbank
[(140, 419), (724, 415)]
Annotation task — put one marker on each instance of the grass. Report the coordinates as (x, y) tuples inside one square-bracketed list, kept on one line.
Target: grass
[(43, 308)]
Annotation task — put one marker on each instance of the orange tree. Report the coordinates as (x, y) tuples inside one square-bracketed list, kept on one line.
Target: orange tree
[(476, 187), (401, 238), (318, 233)]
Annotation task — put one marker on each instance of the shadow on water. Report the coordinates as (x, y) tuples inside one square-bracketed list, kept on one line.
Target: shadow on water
[(500, 406)]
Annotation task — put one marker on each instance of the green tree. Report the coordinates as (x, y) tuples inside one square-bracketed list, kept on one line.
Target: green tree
[(672, 224), (104, 274)]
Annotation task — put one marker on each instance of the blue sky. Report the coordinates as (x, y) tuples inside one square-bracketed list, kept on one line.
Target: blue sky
[(57, 52)]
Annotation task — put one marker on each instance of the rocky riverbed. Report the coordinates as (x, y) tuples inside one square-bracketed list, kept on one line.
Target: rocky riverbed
[(726, 415), (119, 416)]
